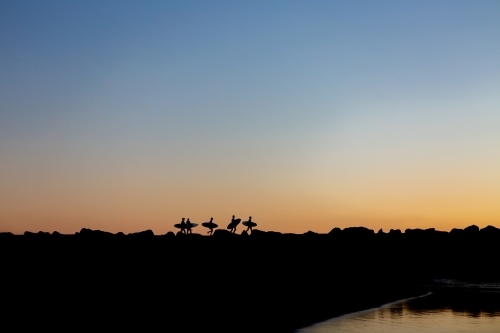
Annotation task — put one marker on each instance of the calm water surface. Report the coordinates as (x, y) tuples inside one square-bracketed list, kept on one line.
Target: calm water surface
[(444, 313)]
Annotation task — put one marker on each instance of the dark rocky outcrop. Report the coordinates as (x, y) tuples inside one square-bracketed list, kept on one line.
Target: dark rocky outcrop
[(84, 232), (472, 230), (39, 234), (358, 232), (289, 275), (393, 232), (223, 233), (258, 232), (195, 235), (142, 234), (268, 235), (490, 231), (335, 232), (169, 235)]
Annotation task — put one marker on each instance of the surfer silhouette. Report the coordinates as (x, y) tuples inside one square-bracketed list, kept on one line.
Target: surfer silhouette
[(210, 225), (181, 226), (249, 224), (234, 223), (188, 226)]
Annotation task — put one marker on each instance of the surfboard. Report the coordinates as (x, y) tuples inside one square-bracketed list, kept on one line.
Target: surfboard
[(193, 225), (209, 225), (233, 224), (180, 226), (249, 224)]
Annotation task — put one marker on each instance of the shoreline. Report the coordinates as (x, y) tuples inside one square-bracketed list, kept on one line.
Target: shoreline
[(346, 315), (368, 302)]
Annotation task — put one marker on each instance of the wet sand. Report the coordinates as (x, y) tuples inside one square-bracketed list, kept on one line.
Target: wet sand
[(445, 311)]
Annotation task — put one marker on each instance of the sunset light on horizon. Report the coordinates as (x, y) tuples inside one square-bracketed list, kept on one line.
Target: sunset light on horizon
[(306, 115)]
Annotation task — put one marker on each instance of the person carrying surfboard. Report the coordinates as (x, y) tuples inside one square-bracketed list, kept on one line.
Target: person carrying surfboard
[(249, 224), (181, 226), (188, 227), (234, 223), (210, 225)]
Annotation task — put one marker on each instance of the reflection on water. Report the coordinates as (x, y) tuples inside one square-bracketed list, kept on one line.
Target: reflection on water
[(445, 313)]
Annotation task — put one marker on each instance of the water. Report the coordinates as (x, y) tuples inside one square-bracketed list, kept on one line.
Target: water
[(448, 312)]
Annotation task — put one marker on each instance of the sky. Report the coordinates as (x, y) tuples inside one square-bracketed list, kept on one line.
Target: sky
[(306, 115)]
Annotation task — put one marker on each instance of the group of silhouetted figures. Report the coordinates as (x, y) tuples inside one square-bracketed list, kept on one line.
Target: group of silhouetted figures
[(186, 226)]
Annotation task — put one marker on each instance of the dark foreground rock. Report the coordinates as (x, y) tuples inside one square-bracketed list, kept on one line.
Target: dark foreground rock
[(264, 281), (195, 305)]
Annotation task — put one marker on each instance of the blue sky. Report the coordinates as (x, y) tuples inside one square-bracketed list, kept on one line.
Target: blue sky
[(324, 106)]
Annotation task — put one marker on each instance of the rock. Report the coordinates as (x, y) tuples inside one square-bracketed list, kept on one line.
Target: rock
[(358, 232), (335, 232), (142, 234), (472, 230), (258, 233), (169, 235), (456, 231), (414, 232), (273, 235), (93, 233), (40, 234), (490, 231), (223, 233), (86, 232), (395, 232), (194, 235)]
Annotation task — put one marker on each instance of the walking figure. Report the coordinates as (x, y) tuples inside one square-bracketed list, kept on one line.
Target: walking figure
[(188, 227), (181, 226), (234, 223), (210, 225), (249, 224)]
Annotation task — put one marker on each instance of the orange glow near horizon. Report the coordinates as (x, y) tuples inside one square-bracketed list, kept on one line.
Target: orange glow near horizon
[(151, 201)]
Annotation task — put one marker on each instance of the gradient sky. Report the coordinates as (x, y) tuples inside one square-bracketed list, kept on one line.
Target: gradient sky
[(307, 115)]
